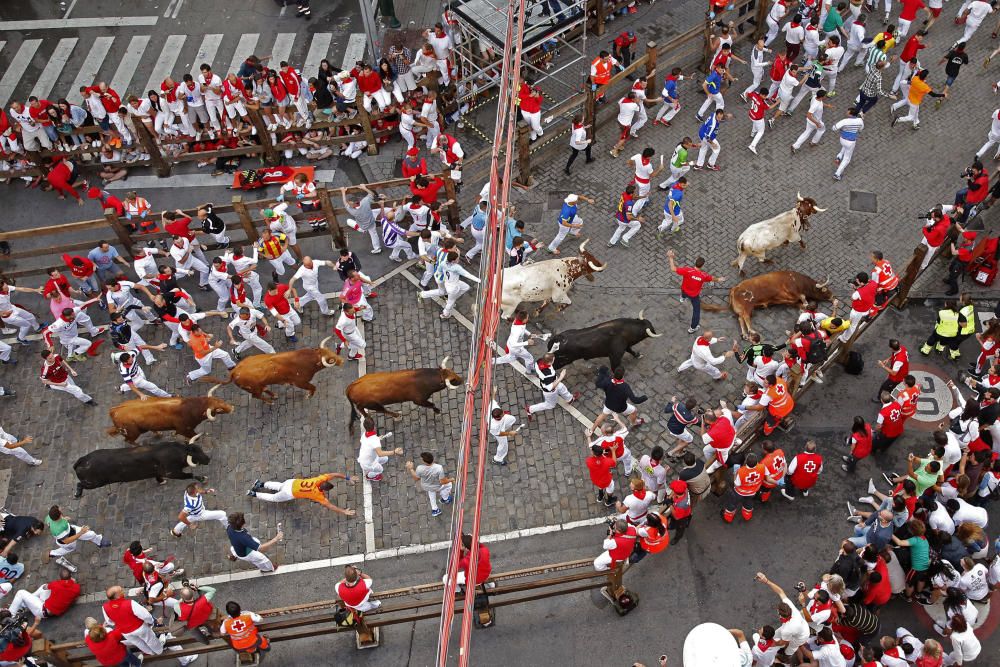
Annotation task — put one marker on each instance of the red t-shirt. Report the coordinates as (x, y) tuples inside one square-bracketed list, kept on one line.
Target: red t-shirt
[(692, 280), (758, 108), (862, 443), (892, 420), (430, 193), (278, 302), (111, 651), (85, 269), (60, 284), (879, 594), (63, 593), (180, 227), (912, 45), (908, 13), (600, 470), (483, 567), (530, 101), (13, 652)]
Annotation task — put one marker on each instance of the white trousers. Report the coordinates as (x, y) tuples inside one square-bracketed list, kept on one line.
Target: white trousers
[(855, 318), (913, 116), (845, 154), (282, 492), (279, 263), (291, 320), (63, 549), (667, 111), (551, 399), (710, 99), (632, 227), (145, 385), (772, 31), (20, 453), (991, 141), (668, 221), (675, 174), (564, 231), (534, 121), (206, 515), (33, 601), (708, 369), (401, 245), (375, 468), (478, 235), (254, 340), (257, 559), (144, 639), (216, 112), (444, 493), (315, 295), (408, 136), (520, 354), (758, 76), (756, 132), (970, 30), (453, 294), (23, 320), (72, 389), (221, 289), (703, 151), (503, 447), (355, 343), (205, 363), (811, 130), (252, 279), (194, 264)]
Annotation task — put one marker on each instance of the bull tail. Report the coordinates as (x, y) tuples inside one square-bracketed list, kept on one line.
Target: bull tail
[(714, 308), (113, 431), (215, 380), (354, 416)]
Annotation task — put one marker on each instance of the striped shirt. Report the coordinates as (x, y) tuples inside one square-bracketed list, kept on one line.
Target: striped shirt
[(271, 248), (193, 505), (873, 56), (849, 128), (872, 86)]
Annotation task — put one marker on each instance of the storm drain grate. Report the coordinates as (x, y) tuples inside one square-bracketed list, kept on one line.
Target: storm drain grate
[(863, 202)]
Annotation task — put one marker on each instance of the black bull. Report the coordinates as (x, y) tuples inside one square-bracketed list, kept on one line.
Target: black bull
[(159, 460), (610, 339)]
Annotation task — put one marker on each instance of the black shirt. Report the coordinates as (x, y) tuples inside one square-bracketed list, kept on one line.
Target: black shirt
[(955, 61), (212, 224), (18, 527), (617, 394), (860, 618), (348, 263), (849, 569), (691, 472)]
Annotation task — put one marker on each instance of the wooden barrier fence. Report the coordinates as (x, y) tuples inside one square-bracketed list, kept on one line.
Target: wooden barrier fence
[(240, 219)]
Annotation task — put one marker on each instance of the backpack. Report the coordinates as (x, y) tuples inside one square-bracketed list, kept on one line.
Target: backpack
[(818, 349), (855, 363)]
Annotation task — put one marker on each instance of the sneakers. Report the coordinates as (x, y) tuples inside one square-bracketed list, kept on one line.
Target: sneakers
[(436, 512), (752, 149), (786, 495), (251, 493), (866, 499), (376, 478), (500, 463), (105, 542), (889, 477), (449, 500), (770, 122), (713, 167), (610, 501), (691, 330), (852, 513), (871, 487)]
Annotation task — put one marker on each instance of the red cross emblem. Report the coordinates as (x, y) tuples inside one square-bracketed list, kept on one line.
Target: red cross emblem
[(810, 467), (752, 478), (238, 625), (894, 415)]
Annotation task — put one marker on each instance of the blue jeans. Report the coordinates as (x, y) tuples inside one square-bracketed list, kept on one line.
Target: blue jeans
[(859, 540), (695, 309)]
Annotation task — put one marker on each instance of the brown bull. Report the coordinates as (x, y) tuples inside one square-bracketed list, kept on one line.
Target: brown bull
[(374, 391), (778, 288), (296, 367), (179, 414)]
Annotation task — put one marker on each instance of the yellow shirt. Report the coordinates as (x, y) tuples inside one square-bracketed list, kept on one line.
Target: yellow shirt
[(309, 488), (918, 89), (827, 325)]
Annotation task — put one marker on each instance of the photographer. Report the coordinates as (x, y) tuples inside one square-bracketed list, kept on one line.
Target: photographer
[(195, 607), (862, 302), (977, 187), (618, 545), (16, 637)]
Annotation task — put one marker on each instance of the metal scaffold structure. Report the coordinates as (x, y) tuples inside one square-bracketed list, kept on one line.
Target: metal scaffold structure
[(553, 51)]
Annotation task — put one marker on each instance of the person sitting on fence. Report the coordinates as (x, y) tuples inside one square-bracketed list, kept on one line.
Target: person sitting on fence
[(355, 149), (111, 167), (316, 151), (355, 590), (240, 630)]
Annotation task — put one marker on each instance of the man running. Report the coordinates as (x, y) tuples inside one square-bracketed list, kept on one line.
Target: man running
[(311, 488)]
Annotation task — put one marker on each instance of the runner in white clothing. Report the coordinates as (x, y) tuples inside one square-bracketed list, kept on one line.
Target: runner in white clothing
[(186, 263), (517, 341), (814, 122), (552, 385), (372, 458), (11, 445), (247, 321), (645, 172), (308, 273), (993, 138), (702, 358), (347, 331)]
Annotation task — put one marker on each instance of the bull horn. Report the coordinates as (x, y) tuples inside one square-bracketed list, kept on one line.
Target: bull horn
[(194, 439), (212, 390), (190, 462), (823, 284), (323, 342), (798, 195), (444, 362), (642, 314), (818, 210), (208, 414), (456, 385), (649, 332), (583, 246), (322, 360), (595, 268)]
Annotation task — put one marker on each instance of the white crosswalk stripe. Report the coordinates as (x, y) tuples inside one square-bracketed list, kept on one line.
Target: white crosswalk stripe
[(87, 75), (58, 60), (357, 43), (86, 60), (165, 63), (18, 65), (282, 49), (126, 68), (318, 49), (206, 54), (244, 48)]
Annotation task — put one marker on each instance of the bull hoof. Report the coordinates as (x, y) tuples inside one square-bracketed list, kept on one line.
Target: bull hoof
[(767, 261), (785, 243), (743, 274), (802, 244)]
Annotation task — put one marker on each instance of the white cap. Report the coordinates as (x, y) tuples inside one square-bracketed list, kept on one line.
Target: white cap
[(571, 199)]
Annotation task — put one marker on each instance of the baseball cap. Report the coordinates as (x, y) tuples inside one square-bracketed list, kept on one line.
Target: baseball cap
[(571, 199), (678, 486), (413, 151)]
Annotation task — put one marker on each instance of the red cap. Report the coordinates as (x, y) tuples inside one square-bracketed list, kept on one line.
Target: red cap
[(94, 193), (678, 486), (413, 151)]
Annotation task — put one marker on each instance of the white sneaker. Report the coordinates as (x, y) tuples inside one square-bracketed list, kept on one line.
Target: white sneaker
[(871, 487), (752, 149), (866, 499), (851, 511), (36, 462)]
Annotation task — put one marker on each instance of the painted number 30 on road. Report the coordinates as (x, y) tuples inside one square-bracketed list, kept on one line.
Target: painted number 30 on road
[(935, 400)]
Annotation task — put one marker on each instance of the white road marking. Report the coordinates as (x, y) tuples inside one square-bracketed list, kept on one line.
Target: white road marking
[(282, 49), (169, 9), (18, 66), (318, 49), (66, 24), (366, 485), (126, 68), (60, 56), (206, 54), (177, 9), (167, 60), (69, 10), (245, 47), (193, 180), (92, 63), (381, 554), (357, 44)]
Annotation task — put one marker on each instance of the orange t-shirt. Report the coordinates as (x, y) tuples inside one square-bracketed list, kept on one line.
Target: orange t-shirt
[(309, 488), (199, 345)]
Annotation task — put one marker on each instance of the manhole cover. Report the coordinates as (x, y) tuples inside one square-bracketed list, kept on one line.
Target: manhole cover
[(863, 202), (555, 200)]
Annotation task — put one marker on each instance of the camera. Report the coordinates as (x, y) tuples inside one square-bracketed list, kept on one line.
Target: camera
[(801, 587), (967, 173), (12, 627)]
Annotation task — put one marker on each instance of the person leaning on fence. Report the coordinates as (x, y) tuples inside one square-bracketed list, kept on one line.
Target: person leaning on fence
[(241, 631)]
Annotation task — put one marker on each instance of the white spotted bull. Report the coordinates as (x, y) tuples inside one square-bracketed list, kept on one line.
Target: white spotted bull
[(546, 281), (780, 230)]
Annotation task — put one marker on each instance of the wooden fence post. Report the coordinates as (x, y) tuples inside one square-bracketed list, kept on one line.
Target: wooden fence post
[(652, 90), (599, 27), (366, 126), (589, 115), (761, 19), (332, 223), (909, 276), (241, 210), (271, 156), (152, 147), (452, 212), (523, 154), (120, 230), (706, 56)]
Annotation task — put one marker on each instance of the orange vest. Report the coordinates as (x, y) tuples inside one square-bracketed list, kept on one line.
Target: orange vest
[(907, 398), (602, 71), (199, 345), (241, 630), (654, 543), (781, 402), (748, 480), (886, 277)]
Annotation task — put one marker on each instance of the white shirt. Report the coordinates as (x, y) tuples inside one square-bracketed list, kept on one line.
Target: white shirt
[(794, 34), (778, 11), (95, 107), (309, 277), (762, 369), (518, 336), (442, 45), (418, 214), (857, 37), (971, 513), (7, 437), (179, 251), (995, 125), (28, 124), (974, 583), (701, 355), (795, 631), (578, 137), (828, 655), (816, 109), (429, 112), (243, 263), (655, 477), (994, 573), (978, 11), (834, 54), (642, 171), (758, 60), (145, 265), (123, 297), (788, 83), (965, 644), (636, 508), (811, 40), (191, 94), (347, 324), (368, 455), (627, 111), (498, 426), (939, 519), (247, 327)]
